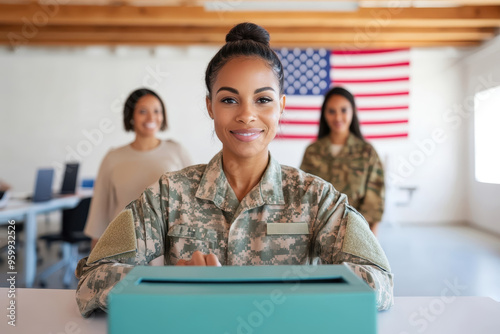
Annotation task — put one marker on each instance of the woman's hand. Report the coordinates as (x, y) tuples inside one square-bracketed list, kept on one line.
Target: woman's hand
[(200, 259)]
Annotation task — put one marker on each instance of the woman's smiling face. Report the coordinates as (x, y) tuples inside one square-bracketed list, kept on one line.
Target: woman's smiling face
[(148, 116), (338, 114), (246, 106)]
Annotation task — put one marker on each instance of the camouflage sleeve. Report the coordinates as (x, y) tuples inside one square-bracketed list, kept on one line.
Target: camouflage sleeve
[(380, 281), (344, 237), (134, 237), (372, 204)]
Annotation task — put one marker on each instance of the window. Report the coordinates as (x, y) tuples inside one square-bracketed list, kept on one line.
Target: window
[(487, 135)]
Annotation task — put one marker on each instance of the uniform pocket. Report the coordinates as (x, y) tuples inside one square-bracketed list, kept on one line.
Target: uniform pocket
[(357, 182), (185, 240), (288, 243)]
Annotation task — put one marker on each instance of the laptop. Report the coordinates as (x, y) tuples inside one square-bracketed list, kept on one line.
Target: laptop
[(43, 185), (69, 181)]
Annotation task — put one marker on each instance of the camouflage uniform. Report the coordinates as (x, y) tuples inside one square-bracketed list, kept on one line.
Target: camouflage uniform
[(290, 217), (356, 171)]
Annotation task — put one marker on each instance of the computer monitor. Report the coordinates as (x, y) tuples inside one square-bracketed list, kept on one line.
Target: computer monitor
[(43, 185), (69, 180)]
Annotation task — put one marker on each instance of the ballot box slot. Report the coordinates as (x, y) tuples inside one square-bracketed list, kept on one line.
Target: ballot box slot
[(327, 280)]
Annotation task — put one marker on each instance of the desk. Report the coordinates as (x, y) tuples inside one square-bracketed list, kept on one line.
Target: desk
[(56, 312), (27, 211)]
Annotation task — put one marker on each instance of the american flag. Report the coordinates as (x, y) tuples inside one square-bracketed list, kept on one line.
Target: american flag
[(379, 80)]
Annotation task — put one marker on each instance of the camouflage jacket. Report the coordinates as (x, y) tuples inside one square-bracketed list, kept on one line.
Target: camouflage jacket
[(290, 217), (356, 171)]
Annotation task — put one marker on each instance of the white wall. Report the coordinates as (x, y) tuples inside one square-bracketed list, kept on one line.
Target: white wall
[(52, 97), (482, 72), (433, 158)]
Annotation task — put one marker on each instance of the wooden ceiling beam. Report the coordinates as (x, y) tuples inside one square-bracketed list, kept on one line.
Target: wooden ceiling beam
[(36, 24), (333, 44), (372, 3), (216, 40), (486, 16), (216, 35), (223, 31)]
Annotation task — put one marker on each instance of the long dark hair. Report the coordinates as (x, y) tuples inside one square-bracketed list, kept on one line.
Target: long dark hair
[(244, 39), (324, 129)]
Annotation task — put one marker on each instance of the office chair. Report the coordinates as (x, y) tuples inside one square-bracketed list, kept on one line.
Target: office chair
[(71, 236), (4, 244)]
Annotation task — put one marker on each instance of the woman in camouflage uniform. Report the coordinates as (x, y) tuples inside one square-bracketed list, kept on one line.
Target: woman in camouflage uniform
[(243, 207), (342, 157)]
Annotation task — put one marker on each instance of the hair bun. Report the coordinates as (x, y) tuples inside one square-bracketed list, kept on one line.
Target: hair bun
[(248, 31)]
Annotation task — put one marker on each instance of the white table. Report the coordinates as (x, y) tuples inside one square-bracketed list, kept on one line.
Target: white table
[(27, 211), (55, 311)]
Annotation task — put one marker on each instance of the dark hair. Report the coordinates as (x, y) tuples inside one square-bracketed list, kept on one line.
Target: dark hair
[(128, 110), (324, 129), (244, 39)]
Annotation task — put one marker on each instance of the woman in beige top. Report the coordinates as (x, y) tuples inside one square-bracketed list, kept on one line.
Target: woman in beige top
[(126, 171)]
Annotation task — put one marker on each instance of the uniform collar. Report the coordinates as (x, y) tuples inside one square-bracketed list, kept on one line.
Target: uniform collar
[(215, 187), (325, 144)]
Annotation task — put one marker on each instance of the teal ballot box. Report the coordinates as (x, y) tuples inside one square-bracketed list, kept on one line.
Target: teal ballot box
[(242, 300)]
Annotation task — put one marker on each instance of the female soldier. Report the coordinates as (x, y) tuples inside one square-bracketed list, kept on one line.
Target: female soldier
[(144, 113), (342, 157), (243, 207)]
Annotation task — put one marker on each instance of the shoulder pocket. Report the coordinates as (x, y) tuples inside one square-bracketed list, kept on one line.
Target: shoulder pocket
[(360, 241)]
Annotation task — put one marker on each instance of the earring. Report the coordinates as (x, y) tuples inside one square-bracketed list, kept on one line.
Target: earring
[(132, 121)]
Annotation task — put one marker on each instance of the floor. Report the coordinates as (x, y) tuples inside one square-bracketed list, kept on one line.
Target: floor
[(432, 260), (425, 260)]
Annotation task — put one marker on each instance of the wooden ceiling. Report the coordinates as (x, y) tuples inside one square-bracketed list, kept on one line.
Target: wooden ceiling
[(186, 22)]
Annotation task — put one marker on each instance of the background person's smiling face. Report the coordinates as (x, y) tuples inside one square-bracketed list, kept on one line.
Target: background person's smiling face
[(148, 116), (246, 106), (338, 114)]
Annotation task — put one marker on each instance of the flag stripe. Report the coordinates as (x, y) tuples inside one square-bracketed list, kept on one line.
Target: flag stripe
[(295, 122), (396, 121), (370, 73), (357, 52), (375, 116), (314, 108), (286, 136), (385, 129), (383, 87), (381, 94), (368, 130), (344, 81), (382, 108), (316, 122), (302, 108), (382, 101), (313, 137), (357, 67), (364, 59), (378, 79), (385, 136)]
